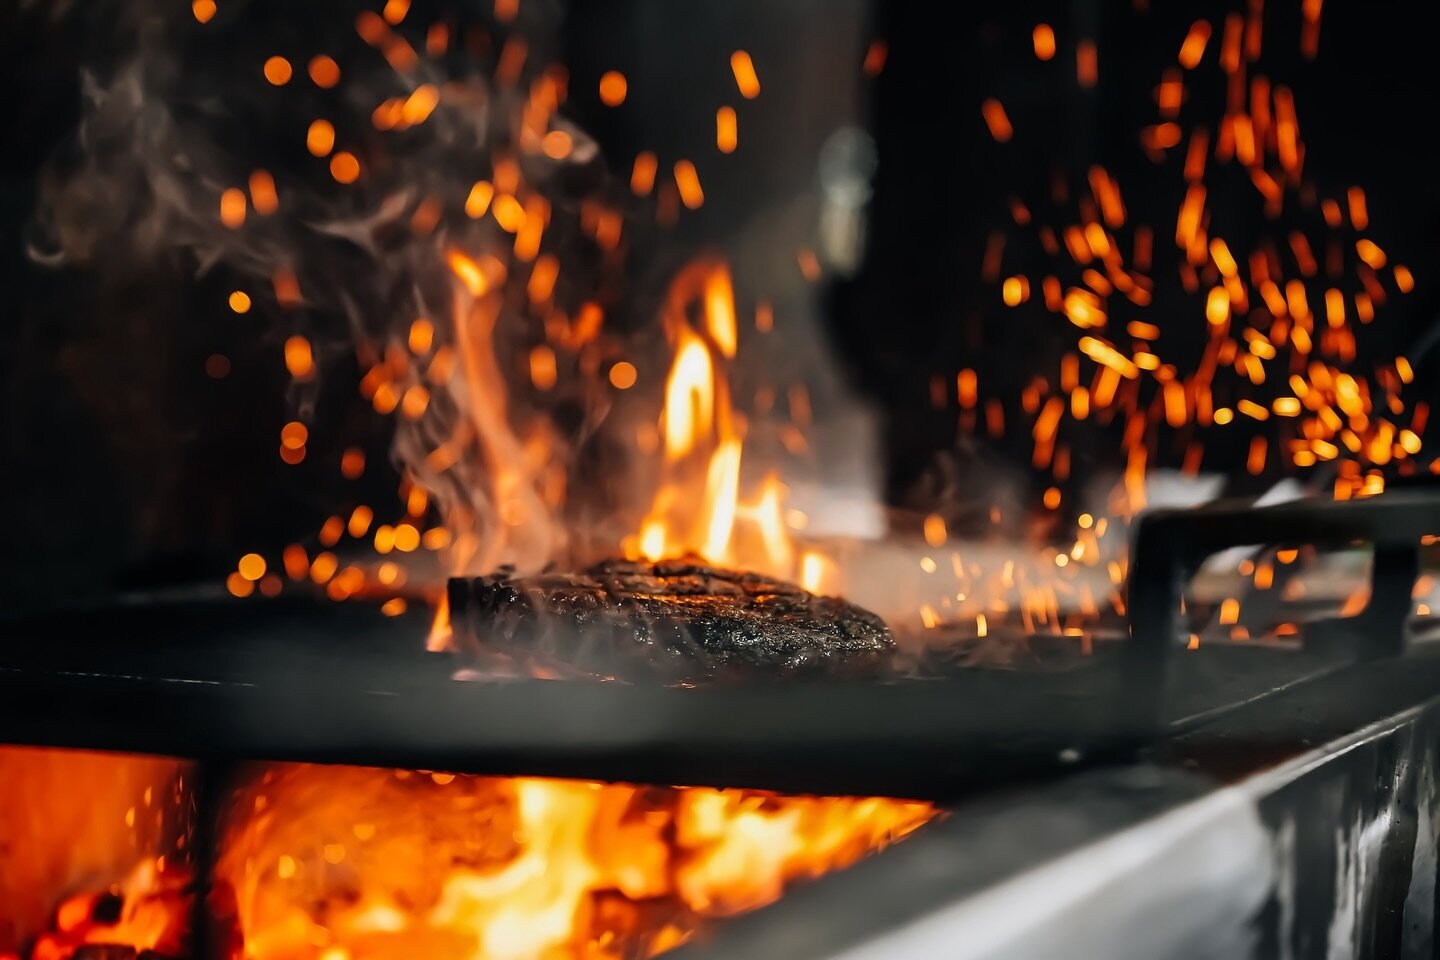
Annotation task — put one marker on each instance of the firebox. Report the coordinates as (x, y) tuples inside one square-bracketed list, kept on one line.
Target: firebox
[(533, 479)]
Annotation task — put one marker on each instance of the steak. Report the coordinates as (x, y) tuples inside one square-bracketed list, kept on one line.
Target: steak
[(669, 622)]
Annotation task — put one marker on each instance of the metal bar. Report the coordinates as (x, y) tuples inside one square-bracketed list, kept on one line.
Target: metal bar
[(922, 737), (1170, 545)]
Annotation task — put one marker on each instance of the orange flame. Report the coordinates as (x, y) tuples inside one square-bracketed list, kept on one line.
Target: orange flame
[(703, 440), (689, 395), (333, 862), (516, 496)]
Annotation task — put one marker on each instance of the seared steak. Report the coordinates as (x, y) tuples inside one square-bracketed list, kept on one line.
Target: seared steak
[(670, 622)]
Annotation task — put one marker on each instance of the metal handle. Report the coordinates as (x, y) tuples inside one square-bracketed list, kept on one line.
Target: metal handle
[(1171, 544)]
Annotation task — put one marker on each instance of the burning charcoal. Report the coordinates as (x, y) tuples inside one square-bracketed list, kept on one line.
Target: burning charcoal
[(104, 951), (107, 909), (668, 622)]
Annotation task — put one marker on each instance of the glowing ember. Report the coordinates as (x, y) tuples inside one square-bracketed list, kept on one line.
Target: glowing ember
[(148, 910), (93, 850), (613, 88)]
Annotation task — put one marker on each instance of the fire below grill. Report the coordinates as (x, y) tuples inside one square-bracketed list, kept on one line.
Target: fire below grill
[(1226, 754)]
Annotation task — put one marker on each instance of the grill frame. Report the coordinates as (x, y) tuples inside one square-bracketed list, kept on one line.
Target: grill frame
[(300, 679), (1293, 826), (328, 684), (1227, 743)]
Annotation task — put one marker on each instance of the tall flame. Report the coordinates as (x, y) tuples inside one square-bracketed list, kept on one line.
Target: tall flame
[(689, 395), (704, 443)]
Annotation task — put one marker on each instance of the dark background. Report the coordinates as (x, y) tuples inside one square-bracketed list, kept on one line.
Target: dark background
[(942, 186), (126, 465)]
